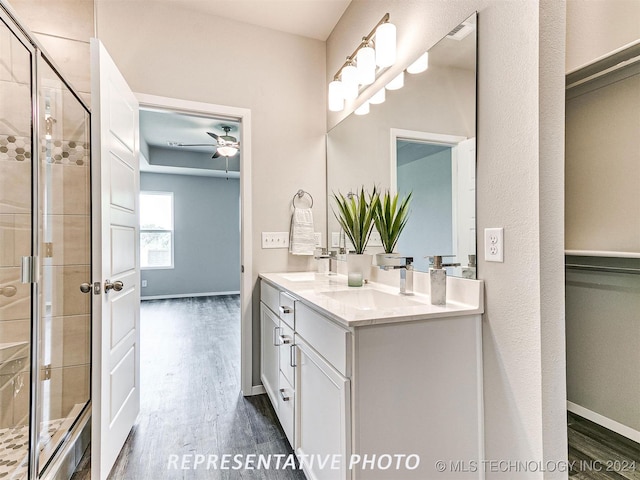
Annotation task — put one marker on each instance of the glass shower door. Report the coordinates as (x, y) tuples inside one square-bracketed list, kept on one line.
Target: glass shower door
[(65, 261), (15, 242)]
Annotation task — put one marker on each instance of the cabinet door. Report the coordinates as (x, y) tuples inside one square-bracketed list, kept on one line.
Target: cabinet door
[(269, 362), (323, 419)]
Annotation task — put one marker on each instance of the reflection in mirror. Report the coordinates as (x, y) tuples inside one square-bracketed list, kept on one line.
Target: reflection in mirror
[(421, 140)]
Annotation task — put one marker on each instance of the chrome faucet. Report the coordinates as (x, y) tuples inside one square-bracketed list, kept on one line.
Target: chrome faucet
[(406, 273)]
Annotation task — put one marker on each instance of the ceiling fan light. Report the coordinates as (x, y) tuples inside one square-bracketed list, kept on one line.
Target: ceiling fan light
[(362, 109), (378, 97), (366, 65), (385, 45), (227, 150), (336, 98), (350, 82), (397, 83), (420, 65)]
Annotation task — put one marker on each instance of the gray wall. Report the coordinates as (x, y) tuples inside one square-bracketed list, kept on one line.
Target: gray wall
[(603, 334), (428, 230), (206, 238)]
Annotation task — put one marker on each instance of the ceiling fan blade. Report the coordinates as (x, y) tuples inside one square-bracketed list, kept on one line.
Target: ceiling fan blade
[(196, 145), (212, 135), (216, 155)]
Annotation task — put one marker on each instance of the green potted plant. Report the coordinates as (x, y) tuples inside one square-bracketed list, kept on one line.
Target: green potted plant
[(390, 218), (355, 216)]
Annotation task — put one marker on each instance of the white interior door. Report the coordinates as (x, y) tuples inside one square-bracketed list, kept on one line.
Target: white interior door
[(115, 376)]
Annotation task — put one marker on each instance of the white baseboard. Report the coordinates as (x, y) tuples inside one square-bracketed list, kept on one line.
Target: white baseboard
[(255, 390), (606, 422), (187, 295)]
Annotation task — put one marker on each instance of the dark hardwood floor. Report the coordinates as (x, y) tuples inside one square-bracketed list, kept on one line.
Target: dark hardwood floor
[(190, 396), (596, 453)]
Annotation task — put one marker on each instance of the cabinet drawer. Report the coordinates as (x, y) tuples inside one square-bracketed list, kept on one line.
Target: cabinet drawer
[(327, 338), (270, 296), (286, 309), (286, 402), (286, 342)]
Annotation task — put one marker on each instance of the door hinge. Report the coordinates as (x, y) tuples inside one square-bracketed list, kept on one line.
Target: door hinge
[(48, 249), (29, 270), (46, 372)]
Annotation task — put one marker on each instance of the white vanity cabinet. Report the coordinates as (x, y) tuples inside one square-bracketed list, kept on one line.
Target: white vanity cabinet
[(323, 402), (373, 391), (276, 353)]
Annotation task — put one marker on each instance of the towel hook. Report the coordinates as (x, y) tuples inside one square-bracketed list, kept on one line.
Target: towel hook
[(299, 194)]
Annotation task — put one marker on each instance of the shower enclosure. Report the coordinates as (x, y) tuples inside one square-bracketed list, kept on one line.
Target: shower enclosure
[(45, 255)]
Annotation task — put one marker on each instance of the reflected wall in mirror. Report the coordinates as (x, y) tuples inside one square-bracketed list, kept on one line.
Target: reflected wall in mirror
[(421, 139)]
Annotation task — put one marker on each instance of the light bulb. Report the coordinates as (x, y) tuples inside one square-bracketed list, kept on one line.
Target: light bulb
[(336, 97), (350, 82), (420, 65), (362, 109), (385, 45), (378, 97), (397, 83), (227, 151), (366, 65)]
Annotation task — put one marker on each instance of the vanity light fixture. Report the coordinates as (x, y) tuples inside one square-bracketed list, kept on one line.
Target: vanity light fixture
[(420, 65), (362, 109), (366, 64), (350, 81), (397, 83), (386, 45), (336, 96), (378, 97), (377, 48)]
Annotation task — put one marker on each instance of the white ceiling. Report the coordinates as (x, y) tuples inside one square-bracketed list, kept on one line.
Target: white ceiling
[(308, 18)]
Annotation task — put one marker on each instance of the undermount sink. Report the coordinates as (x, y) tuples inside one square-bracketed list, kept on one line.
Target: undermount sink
[(371, 299)]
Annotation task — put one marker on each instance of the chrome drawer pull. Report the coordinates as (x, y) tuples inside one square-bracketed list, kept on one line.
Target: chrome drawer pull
[(285, 310), (275, 336), (292, 356), (284, 340), (283, 396)]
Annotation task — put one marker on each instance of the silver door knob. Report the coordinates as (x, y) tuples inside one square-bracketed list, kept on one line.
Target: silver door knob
[(85, 287), (117, 285)]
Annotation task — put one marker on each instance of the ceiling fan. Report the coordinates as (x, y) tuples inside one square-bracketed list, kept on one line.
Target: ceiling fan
[(226, 146)]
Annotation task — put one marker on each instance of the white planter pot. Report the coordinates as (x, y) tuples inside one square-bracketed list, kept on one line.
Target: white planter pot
[(383, 260), (360, 263)]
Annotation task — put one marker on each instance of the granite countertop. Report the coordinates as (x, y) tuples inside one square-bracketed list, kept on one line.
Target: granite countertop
[(375, 303)]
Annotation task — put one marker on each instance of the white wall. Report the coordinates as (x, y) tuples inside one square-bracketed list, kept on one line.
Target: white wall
[(597, 27), (170, 51), (520, 187)]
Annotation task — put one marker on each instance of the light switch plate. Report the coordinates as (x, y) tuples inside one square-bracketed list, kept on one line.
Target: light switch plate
[(494, 244), (275, 239), (335, 239)]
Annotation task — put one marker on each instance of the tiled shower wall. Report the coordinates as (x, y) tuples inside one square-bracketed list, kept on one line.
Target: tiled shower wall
[(15, 230), (64, 28)]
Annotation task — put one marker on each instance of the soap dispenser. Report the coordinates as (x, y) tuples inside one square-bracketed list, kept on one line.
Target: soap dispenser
[(438, 282)]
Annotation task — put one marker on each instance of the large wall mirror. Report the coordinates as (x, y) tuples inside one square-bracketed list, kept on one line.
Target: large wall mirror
[(420, 140)]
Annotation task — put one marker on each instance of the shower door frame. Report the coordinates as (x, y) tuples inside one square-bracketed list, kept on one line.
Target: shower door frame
[(10, 19)]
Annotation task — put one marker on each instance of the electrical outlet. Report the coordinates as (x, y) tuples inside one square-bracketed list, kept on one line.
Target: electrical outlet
[(275, 239), (317, 236), (335, 239), (144, 283), (374, 239), (494, 244)]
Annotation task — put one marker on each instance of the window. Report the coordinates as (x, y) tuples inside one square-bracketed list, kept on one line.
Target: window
[(156, 230)]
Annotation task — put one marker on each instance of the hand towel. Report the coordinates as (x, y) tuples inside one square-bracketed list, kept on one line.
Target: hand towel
[(301, 234)]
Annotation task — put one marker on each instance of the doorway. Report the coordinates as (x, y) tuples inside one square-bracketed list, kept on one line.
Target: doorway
[(242, 117)]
